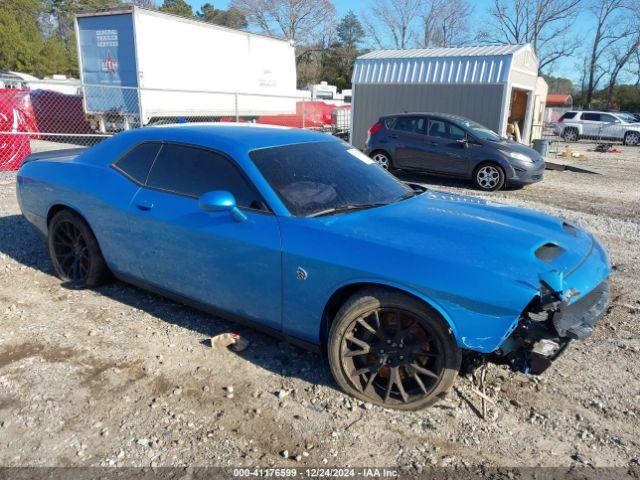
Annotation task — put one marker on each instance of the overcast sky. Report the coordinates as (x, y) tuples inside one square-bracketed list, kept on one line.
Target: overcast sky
[(568, 67)]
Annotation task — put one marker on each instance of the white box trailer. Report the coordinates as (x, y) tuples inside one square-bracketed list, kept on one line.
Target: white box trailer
[(152, 66)]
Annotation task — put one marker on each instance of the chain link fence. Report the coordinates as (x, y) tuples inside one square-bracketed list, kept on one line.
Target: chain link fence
[(39, 116)]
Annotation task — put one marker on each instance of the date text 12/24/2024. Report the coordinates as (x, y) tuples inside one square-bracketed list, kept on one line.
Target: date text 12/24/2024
[(316, 472)]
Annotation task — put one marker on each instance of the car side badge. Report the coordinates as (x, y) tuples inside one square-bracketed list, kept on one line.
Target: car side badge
[(301, 273)]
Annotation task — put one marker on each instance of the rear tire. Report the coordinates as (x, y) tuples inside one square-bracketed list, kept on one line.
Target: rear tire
[(383, 159), (75, 252), (570, 135), (392, 350), (489, 176), (632, 139)]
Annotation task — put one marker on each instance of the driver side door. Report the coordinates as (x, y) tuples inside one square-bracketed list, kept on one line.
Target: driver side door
[(230, 266), (447, 150)]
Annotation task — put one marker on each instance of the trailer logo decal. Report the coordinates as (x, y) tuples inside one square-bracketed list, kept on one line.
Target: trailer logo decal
[(110, 64)]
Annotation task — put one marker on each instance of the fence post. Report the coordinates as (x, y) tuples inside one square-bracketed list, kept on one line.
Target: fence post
[(139, 94), (303, 115), (236, 107)]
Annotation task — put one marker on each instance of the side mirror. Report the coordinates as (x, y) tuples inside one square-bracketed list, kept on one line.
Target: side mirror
[(463, 142), (221, 201)]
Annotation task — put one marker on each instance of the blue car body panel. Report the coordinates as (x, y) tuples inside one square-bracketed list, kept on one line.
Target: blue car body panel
[(472, 260)]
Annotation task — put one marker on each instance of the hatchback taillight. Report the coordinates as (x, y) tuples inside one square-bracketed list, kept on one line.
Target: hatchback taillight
[(375, 128)]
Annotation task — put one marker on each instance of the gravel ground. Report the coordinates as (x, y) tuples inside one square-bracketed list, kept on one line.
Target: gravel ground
[(117, 376)]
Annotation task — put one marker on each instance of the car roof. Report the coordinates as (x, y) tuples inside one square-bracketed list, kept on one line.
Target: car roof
[(245, 136), (613, 112), (448, 116), (232, 138)]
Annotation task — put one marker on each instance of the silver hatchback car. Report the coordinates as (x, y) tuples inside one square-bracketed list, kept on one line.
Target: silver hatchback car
[(598, 125)]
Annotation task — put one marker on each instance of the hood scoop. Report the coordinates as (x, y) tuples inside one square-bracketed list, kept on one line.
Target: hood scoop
[(548, 252)]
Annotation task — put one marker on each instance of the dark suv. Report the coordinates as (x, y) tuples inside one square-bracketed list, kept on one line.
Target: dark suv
[(453, 146)]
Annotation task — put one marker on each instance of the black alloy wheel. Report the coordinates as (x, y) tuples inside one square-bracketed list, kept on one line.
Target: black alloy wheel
[(396, 356), (75, 252), (71, 252)]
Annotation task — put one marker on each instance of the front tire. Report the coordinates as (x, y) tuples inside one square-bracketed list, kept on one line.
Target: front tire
[(632, 139), (489, 177), (392, 350), (75, 252)]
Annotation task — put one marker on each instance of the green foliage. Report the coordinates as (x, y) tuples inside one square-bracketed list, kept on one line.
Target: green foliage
[(350, 30), (177, 7), (20, 39), (232, 18), (625, 98), (61, 12), (559, 85)]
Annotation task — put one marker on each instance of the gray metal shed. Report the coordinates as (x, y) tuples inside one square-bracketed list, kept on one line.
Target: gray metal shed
[(492, 85)]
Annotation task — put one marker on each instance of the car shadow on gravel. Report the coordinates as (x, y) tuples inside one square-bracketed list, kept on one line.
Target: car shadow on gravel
[(428, 180), (24, 244)]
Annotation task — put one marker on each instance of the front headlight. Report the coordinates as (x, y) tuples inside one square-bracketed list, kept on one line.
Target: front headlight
[(521, 156)]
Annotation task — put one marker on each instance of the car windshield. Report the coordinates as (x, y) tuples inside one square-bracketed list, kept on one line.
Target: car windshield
[(627, 117), (325, 178), (480, 131)]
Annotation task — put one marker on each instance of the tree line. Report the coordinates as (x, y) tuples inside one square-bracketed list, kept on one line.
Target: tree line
[(36, 36)]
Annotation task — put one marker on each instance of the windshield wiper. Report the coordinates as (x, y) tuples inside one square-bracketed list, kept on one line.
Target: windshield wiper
[(346, 208)]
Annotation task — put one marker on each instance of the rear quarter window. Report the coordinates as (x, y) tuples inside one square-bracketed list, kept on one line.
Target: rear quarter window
[(568, 115), (137, 162)]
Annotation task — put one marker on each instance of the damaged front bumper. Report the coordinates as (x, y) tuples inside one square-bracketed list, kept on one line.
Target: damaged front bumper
[(548, 325)]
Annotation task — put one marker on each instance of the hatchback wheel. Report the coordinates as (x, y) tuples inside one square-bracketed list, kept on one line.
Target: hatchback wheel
[(382, 159), (632, 138), (392, 350), (570, 135), (489, 177), (75, 252)]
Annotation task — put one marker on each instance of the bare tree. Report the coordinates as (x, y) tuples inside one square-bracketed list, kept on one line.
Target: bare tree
[(625, 52), (301, 21), (391, 22), (544, 24), (610, 29), (444, 23)]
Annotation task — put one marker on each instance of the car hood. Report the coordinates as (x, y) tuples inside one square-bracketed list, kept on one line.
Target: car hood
[(471, 232), (510, 146)]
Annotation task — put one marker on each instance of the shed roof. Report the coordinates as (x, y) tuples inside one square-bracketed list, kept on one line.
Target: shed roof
[(559, 100), (474, 51), (478, 64)]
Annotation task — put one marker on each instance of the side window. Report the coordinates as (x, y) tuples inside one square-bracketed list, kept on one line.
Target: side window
[(441, 129), (593, 117), (193, 171), (568, 115), (137, 162), (607, 118), (409, 124)]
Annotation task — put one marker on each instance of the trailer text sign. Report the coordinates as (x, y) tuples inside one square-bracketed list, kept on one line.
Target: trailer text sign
[(107, 54)]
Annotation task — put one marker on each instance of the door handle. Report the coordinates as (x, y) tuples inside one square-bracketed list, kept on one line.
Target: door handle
[(393, 135), (435, 144), (145, 206)]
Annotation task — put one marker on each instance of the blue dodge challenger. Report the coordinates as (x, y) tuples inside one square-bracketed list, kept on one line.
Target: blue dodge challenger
[(304, 236)]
